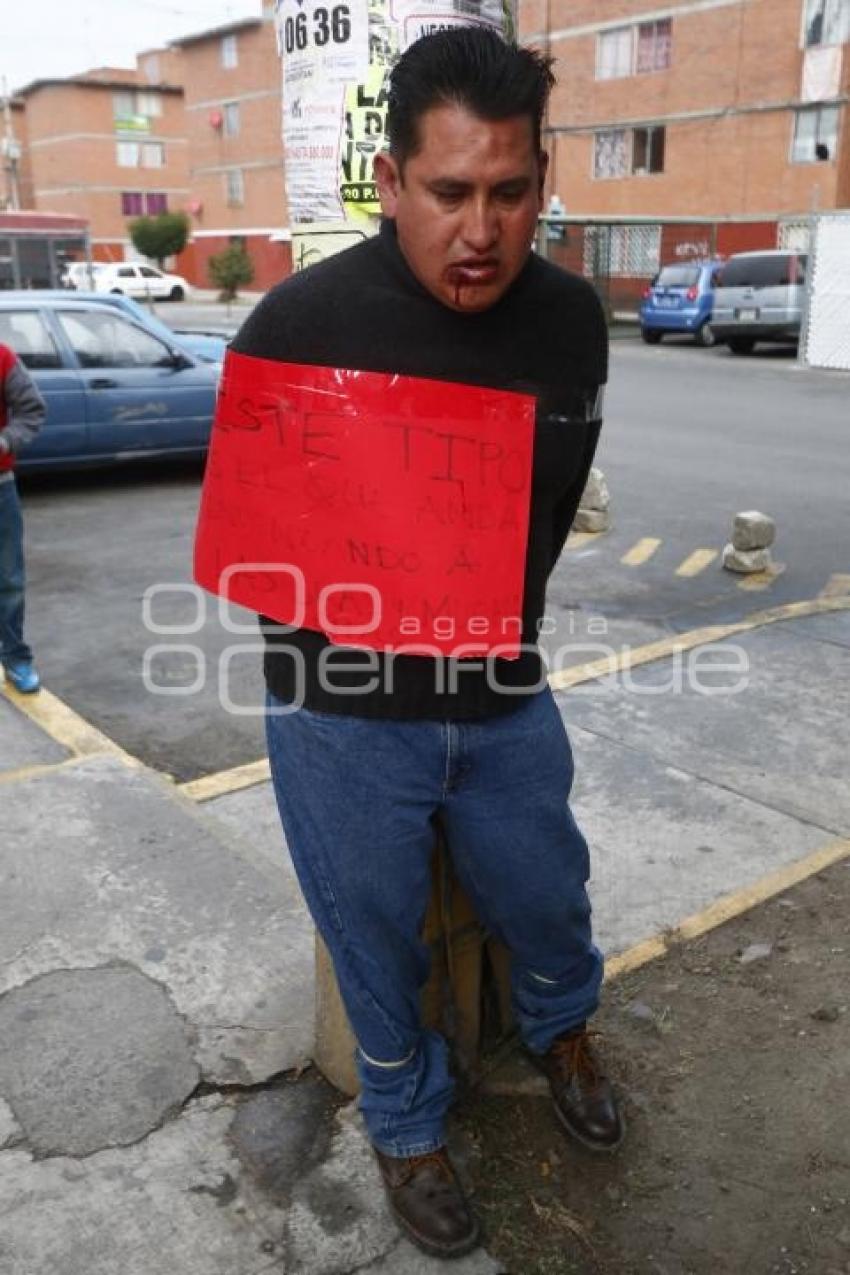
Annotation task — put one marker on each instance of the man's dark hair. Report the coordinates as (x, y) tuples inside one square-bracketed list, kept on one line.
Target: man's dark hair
[(472, 67)]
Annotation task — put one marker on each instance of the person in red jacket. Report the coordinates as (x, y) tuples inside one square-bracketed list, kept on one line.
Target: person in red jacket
[(22, 413)]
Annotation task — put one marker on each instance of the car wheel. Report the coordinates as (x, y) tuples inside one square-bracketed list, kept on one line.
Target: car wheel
[(742, 344), (651, 336), (177, 293), (116, 292), (704, 335)]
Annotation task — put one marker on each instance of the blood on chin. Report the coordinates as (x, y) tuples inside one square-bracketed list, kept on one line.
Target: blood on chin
[(471, 294)]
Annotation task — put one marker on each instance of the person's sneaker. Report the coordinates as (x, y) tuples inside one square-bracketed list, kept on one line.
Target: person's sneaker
[(23, 676), (583, 1096), (426, 1200)]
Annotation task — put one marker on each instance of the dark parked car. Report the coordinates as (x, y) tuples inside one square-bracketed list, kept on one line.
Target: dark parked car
[(115, 388), (680, 299)]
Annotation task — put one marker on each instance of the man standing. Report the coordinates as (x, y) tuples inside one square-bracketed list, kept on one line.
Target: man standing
[(22, 414), (364, 761)]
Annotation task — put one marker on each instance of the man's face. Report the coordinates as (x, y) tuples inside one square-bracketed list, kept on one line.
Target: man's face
[(466, 204)]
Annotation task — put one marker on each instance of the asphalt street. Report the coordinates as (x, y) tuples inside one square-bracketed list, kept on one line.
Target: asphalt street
[(691, 437)]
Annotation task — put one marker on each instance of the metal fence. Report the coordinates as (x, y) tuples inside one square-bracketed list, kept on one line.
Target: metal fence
[(825, 340), (620, 255)]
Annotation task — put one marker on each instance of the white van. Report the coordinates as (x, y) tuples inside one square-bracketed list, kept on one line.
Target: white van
[(760, 297)]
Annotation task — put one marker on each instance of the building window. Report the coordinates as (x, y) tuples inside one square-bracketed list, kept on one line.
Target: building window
[(151, 68), (639, 49), (235, 187), (127, 154), (614, 53), (123, 104), (156, 202), (148, 103), (827, 22), (230, 119), (815, 134), (654, 46), (131, 110), (229, 51), (648, 150), (131, 203), (618, 152), (610, 153), (153, 155)]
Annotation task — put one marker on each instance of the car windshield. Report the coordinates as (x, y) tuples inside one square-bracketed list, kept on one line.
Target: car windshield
[(678, 277), (763, 272)]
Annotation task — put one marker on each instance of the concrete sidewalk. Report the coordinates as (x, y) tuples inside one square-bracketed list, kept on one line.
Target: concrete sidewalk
[(156, 961)]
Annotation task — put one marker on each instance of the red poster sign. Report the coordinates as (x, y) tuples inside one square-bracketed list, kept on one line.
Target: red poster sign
[(388, 512)]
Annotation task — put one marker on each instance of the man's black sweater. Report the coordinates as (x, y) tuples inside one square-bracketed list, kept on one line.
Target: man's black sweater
[(364, 309)]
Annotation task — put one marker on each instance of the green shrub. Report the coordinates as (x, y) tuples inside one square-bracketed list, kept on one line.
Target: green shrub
[(230, 270), (160, 237)]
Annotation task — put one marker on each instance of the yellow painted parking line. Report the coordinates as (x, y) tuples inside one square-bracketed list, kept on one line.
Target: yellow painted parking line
[(82, 740), (837, 586), (696, 562), (225, 781), (632, 656), (65, 726), (761, 580), (35, 771), (730, 906), (641, 552), (578, 539)]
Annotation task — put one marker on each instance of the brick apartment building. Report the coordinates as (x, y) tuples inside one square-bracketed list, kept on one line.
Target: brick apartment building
[(732, 110), (727, 109), (232, 83), (105, 146)]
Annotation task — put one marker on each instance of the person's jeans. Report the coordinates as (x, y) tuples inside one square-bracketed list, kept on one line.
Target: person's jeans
[(13, 648), (356, 798)]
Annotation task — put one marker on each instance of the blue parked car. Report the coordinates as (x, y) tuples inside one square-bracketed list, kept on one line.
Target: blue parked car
[(116, 389), (680, 299), (210, 346)]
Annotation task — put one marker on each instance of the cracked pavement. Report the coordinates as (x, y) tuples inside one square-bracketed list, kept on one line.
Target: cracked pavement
[(156, 968), (156, 1018)]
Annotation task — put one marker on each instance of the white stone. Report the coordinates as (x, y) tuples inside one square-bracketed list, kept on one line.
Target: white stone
[(596, 494), (756, 952), (753, 530), (592, 520), (11, 1132), (746, 562)]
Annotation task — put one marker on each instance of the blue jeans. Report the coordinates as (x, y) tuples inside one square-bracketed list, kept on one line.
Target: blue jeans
[(356, 798), (13, 648)]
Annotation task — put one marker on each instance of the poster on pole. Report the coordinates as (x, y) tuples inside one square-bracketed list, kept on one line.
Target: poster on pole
[(336, 59)]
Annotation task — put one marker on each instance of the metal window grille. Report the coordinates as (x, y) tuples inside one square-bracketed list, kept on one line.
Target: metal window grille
[(626, 251)]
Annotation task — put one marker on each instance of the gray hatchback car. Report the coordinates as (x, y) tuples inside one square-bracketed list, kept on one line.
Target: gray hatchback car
[(760, 297)]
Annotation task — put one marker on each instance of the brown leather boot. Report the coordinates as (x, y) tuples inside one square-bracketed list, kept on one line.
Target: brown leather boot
[(426, 1200), (583, 1096)]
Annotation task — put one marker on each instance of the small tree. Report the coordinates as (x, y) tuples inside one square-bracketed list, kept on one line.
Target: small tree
[(160, 237), (230, 270)]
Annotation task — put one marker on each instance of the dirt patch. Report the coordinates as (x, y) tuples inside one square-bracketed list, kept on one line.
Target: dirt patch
[(734, 1055)]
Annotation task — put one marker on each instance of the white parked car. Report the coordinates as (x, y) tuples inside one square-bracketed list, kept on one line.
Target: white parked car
[(135, 279)]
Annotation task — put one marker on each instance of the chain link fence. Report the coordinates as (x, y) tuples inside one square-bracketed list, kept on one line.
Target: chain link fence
[(825, 339)]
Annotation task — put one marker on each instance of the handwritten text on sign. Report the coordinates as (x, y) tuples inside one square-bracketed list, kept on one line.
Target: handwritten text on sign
[(389, 512)]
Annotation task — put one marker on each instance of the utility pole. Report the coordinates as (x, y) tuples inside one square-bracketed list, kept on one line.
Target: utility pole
[(11, 151)]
